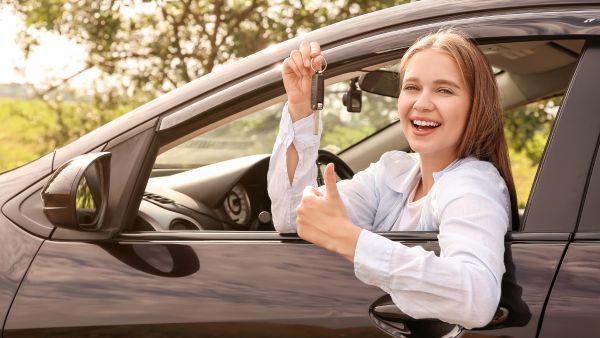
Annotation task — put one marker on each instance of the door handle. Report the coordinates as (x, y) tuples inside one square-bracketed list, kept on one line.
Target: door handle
[(390, 319)]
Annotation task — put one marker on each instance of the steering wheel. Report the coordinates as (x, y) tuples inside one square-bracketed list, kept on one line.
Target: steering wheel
[(341, 168)]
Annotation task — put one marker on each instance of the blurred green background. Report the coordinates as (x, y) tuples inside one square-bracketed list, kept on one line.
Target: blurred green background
[(137, 50)]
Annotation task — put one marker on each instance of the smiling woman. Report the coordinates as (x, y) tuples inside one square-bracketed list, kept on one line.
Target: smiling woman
[(433, 105), (455, 184)]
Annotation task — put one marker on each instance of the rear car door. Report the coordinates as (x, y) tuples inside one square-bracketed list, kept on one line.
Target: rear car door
[(573, 307)]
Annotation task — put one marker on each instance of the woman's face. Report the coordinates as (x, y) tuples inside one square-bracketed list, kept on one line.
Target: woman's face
[(433, 105)]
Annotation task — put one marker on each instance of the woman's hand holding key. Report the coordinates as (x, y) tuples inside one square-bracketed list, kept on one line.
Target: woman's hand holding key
[(297, 75)]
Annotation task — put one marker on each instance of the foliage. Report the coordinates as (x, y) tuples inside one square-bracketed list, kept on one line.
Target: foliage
[(33, 128), (159, 45), (144, 48), (527, 129)]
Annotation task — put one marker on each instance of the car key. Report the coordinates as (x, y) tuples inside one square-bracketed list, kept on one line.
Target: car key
[(317, 94), (317, 97)]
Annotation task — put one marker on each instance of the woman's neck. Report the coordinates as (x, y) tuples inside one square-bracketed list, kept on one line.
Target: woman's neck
[(429, 165)]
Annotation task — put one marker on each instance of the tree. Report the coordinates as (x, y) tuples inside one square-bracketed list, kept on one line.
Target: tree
[(143, 48), (155, 46)]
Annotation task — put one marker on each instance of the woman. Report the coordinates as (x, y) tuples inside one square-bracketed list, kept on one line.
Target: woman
[(458, 183)]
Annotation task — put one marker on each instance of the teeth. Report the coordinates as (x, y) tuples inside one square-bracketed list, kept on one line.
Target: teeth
[(425, 123)]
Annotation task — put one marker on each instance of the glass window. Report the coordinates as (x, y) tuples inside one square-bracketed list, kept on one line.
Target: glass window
[(255, 133)]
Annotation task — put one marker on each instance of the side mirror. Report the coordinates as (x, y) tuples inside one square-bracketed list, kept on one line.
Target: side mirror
[(76, 195), (388, 318), (381, 82)]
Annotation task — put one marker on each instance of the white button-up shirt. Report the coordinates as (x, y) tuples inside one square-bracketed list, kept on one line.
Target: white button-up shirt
[(468, 204)]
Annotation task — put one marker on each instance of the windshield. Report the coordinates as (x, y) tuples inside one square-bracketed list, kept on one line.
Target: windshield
[(255, 133)]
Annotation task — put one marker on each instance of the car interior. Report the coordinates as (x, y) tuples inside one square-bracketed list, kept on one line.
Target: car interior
[(224, 186)]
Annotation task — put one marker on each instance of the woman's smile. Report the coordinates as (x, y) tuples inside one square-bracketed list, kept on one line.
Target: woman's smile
[(422, 127)]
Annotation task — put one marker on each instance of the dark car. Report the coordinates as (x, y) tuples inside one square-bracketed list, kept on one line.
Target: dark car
[(158, 223)]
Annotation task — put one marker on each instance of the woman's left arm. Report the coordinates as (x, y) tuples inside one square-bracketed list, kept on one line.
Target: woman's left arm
[(463, 284)]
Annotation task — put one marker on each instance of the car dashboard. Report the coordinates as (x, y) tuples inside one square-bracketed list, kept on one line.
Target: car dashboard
[(228, 195)]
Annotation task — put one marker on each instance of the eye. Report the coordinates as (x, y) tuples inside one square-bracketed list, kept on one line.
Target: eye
[(409, 87), (445, 91)]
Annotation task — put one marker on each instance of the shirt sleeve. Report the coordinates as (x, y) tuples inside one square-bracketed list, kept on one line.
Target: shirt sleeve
[(358, 194), (285, 197), (462, 285)]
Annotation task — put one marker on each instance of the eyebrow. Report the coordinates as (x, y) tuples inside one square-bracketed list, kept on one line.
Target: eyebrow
[(439, 81)]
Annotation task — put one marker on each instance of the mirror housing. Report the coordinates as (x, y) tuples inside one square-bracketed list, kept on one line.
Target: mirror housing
[(76, 195), (381, 82)]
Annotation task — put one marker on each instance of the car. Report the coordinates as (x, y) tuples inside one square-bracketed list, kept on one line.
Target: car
[(158, 223)]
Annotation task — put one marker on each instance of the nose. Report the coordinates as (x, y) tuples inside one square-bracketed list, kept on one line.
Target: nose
[(423, 102)]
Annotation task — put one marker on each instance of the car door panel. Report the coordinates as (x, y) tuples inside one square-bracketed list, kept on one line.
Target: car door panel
[(223, 288), (533, 266), (574, 305), (17, 246), (260, 288), (18, 250)]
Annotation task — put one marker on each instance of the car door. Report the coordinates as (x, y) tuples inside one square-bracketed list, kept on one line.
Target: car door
[(573, 307), (263, 283)]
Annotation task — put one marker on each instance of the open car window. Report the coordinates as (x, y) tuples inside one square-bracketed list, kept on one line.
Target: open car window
[(216, 181), (255, 133)]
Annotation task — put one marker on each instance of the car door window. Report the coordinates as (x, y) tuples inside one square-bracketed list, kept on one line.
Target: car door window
[(234, 154), (215, 180), (255, 133)]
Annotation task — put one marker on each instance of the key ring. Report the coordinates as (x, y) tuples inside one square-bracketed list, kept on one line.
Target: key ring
[(322, 67)]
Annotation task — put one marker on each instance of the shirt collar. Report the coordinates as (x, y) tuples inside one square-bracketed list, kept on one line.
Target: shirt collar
[(407, 171)]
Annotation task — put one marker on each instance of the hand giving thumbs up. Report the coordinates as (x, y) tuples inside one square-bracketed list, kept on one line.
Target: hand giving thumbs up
[(323, 220)]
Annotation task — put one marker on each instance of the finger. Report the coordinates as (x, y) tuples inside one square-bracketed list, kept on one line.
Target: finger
[(330, 184), (318, 62), (289, 66), (296, 56), (305, 51), (315, 49), (316, 191)]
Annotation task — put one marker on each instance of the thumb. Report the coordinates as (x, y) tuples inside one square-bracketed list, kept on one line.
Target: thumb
[(330, 184)]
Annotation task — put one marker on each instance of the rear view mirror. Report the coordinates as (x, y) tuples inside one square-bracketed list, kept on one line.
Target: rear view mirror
[(77, 193), (353, 98), (381, 82)]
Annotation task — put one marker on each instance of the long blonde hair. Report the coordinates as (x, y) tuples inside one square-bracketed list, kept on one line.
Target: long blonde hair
[(483, 137)]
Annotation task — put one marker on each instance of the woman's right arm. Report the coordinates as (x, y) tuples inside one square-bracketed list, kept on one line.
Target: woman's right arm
[(292, 165), (297, 79)]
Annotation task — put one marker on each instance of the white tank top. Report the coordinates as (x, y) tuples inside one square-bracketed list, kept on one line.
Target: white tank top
[(409, 220)]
